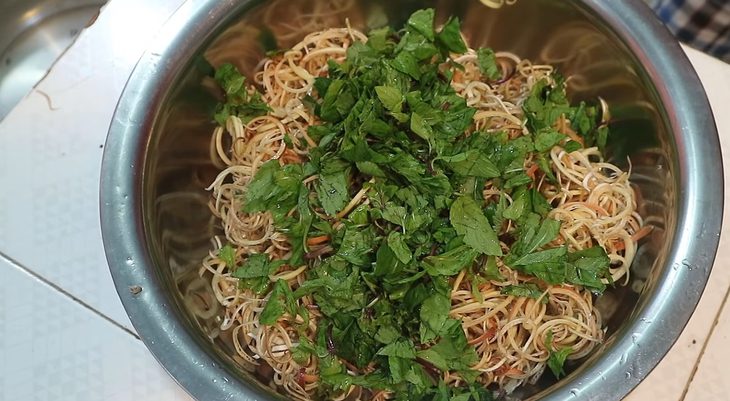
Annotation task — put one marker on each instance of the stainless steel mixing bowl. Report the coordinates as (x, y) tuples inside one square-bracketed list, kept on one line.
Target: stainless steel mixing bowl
[(157, 227)]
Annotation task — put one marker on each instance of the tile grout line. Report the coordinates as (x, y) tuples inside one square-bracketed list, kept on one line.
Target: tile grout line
[(715, 322), (54, 286)]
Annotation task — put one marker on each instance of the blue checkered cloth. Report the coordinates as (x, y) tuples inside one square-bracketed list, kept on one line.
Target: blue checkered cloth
[(702, 24)]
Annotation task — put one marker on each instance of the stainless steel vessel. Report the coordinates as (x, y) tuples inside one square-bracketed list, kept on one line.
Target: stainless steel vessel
[(156, 224)]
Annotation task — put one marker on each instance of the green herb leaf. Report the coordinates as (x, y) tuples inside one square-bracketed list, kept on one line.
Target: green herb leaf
[(302, 352), (546, 138), (541, 206), (239, 101), (299, 231), (338, 101), (591, 267), (407, 64), (487, 62), (274, 188), (391, 98), (401, 349), (491, 271), (280, 301), (528, 290), (451, 352), (545, 105), (257, 265), (449, 263), (228, 77), (395, 214), (332, 187), (601, 137), (450, 37), (548, 255), (397, 243), (547, 232), (228, 255), (472, 163), (557, 359), (468, 219), (520, 204), (370, 168), (572, 146), (356, 246), (420, 127), (422, 22), (434, 315)]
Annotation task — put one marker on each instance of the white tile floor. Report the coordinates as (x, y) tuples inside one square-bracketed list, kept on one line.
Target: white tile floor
[(54, 349), (712, 380), (52, 158), (77, 344)]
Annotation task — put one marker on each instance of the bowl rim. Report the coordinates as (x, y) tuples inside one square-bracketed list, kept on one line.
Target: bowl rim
[(621, 367)]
